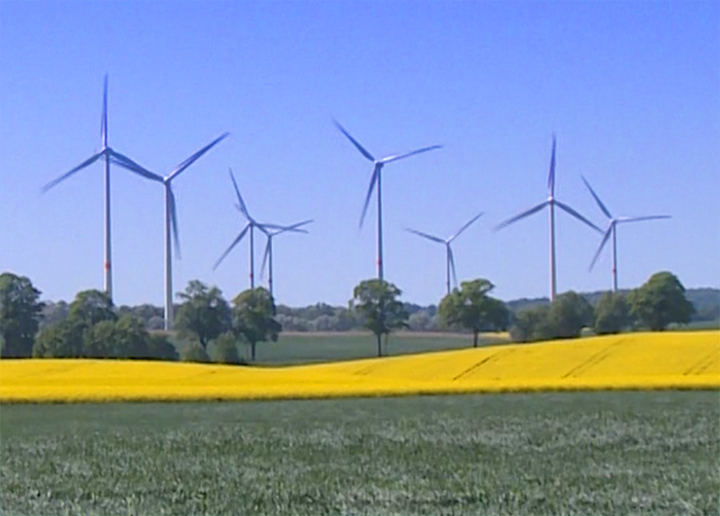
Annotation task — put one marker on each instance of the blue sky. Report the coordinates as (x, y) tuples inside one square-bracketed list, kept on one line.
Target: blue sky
[(632, 90)]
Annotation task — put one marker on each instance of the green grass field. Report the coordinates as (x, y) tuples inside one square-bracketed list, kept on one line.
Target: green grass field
[(573, 453), (299, 347)]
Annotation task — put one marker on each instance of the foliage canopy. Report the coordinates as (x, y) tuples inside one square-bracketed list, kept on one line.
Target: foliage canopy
[(20, 310), (471, 307), (377, 302)]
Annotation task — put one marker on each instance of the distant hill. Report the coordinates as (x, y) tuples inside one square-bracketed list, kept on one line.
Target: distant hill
[(705, 300)]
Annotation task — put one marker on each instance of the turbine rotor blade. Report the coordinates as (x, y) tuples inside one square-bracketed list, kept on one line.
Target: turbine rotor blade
[(268, 226), (359, 147), (638, 219), (425, 235), (578, 216), (235, 242), (602, 244), (294, 228), (524, 214), (390, 159), (597, 199), (467, 225), (173, 220), (376, 172), (63, 177), (104, 121), (452, 265), (265, 256), (127, 163), (241, 203), (192, 159), (551, 174)]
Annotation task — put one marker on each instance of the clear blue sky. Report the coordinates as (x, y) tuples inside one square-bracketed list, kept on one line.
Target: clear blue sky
[(632, 90)]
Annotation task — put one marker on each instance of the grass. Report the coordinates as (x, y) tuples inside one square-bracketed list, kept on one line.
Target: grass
[(572, 453), (301, 348)]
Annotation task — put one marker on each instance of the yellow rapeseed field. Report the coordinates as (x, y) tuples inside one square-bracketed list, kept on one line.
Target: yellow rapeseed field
[(672, 360)]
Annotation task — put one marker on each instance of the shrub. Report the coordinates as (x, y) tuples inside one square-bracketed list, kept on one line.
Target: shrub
[(569, 314), (611, 314), (226, 351), (64, 340), (159, 348), (194, 352), (532, 324)]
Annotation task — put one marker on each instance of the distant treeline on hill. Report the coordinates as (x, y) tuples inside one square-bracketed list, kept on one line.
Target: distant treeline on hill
[(324, 317)]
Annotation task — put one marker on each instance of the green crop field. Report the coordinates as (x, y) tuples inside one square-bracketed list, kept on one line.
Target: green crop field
[(572, 453), (300, 347)]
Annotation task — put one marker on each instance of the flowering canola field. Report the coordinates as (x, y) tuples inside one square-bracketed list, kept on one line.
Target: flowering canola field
[(671, 360)]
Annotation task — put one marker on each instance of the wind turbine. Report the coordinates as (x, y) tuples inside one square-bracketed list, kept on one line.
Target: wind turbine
[(250, 226), (108, 153), (551, 202), (170, 215), (612, 229), (378, 165), (267, 257), (449, 260)]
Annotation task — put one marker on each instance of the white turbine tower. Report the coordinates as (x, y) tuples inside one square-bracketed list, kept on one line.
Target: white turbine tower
[(449, 259), (250, 226), (378, 164), (612, 229), (108, 154), (170, 216), (268, 256), (551, 202)]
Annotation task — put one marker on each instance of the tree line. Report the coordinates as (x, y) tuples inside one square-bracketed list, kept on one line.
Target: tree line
[(91, 327)]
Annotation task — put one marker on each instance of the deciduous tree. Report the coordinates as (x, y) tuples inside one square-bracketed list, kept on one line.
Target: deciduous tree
[(471, 307), (253, 317), (377, 302), (204, 313), (19, 315), (660, 301), (92, 306)]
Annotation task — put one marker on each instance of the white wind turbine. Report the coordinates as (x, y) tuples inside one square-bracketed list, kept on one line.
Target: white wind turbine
[(250, 226), (109, 154), (449, 259), (170, 216), (551, 202), (612, 229), (376, 178), (268, 256)]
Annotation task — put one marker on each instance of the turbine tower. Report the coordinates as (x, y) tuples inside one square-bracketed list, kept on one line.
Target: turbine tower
[(268, 256), (250, 226), (109, 154), (612, 229), (449, 259), (378, 165), (551, 202), (170, 216)]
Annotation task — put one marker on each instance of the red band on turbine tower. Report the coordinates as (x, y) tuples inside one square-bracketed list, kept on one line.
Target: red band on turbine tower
[(107, 266)]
